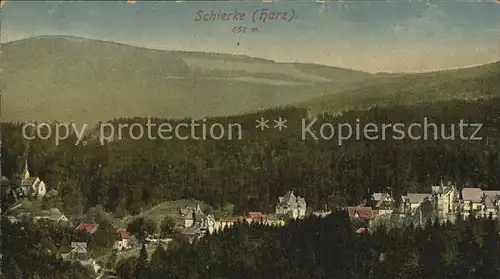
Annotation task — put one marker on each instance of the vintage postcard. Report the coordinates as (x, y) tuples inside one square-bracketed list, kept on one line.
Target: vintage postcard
[(250, 139)]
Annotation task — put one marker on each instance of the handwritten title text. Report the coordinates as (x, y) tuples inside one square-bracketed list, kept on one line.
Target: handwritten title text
[(258, 15)]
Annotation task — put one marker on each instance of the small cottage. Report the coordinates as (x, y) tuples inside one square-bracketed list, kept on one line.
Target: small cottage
[(123, 241)]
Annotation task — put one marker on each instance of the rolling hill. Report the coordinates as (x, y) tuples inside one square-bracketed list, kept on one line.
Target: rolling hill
[(67, 78), (462, 84)]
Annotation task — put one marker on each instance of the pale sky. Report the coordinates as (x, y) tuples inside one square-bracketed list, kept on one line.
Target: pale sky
[(370, 36)]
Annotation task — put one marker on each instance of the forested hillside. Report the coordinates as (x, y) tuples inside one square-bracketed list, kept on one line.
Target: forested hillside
[(461, 84), (126, 176), (30, 251), (319, 248), (329, 248)]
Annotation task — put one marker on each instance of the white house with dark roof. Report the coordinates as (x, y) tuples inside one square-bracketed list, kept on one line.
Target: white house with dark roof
[(291, 205), (190, 214), (412, 201), (473, 201), (195, 221), (123, 240), (446, 198), (382, 203), (53, 215), (32, 186)]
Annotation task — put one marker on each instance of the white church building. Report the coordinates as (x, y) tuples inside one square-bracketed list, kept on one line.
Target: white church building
[(32, 186)]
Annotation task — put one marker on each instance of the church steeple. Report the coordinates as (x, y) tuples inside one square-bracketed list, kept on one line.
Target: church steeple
[(441, 187), (26, 172)]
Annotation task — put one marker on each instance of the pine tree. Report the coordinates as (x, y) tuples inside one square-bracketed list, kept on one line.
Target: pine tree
[(141, 270), (431, 258), (468, 253), (111, 262), (158, 259), (489, 252)]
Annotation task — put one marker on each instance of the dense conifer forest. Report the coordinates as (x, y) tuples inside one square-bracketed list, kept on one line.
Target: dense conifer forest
[(311, 248), (29, 252), (329, 248), (126, 176)]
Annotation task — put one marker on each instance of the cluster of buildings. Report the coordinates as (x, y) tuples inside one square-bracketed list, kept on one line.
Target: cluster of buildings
[(196, 223), (445, 202), (123, 239), (53, 215)]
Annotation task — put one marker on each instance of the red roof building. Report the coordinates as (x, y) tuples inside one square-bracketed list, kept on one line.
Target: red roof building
[(364, 213), (124, 234), (257, 216), (90, 228)]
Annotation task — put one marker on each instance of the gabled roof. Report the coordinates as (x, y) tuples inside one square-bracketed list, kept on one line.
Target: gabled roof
[(184, 211), (491, 193), (472, 194), (442, 188), (365, 213), (381, 198), (90, 228), (187, 213), (12, 219), (188, 216), (491, 198), (417, 197), (378, 196), (256, 216), (56, 217), (198, 209), (29, 181), (289, 197), (124, 234)]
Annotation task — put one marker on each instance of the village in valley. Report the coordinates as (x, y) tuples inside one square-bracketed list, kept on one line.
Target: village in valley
[(443, 202)]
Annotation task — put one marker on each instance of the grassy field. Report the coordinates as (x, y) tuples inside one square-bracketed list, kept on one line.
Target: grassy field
[(171, 209), (126, 254)]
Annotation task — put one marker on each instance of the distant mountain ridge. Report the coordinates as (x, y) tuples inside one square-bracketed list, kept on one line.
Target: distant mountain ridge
[(69, 78), (66, 78)]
